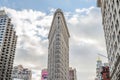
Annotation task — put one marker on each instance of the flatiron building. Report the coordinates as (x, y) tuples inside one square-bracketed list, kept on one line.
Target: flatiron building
[(58, 50)]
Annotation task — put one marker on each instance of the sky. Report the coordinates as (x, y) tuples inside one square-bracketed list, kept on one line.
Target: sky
[(32, 20)]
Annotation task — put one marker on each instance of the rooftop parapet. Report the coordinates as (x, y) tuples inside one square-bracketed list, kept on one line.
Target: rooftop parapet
[(2, 12), (58, 10)]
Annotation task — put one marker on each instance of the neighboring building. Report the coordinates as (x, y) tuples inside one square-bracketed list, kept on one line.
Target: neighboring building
[(96, 78), (72, 74), (102, 71), (8, 40), (98, 69), (105, 73), (20, 73), (58, 53), (17, 79), (111, 24), (44, 74)]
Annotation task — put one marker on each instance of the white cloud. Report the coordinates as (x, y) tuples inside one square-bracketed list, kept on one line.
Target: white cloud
[(85, 42), (81, 10)]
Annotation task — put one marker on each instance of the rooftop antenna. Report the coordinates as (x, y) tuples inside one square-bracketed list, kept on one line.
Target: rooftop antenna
[(102, 55)]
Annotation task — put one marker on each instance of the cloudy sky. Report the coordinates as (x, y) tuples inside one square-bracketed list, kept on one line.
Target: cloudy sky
[(32, 20)]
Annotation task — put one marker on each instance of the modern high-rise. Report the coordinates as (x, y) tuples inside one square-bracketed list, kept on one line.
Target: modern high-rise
[(111, 24), (72, 74), (21, 73), (8, 41), (58, 50)]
